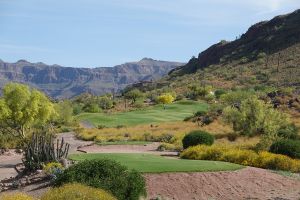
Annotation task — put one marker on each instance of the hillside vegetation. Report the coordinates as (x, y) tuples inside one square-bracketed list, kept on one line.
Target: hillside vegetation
[(268, 54)]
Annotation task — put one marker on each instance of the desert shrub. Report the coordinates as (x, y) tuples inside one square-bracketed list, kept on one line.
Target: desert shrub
[(52, 169), (289, 132), (120, 126), (77, 109), (209, 97), (197, 137), (188, 118), (105, 102), (206, 120), (219, 93), (277, 162), (16, 196), (138, 104), (99, 138), (239, 156), (92, 108), (8, 141), (254, 116), (286, 91), (86, 135), (100, 126), (232, 136), (246, 157), (108, 175), (236, 97), (200, 113), (77, 192), (290, 148), (169, 147), (165, 137)]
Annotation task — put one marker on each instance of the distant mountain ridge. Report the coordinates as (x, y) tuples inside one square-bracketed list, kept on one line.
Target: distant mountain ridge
[(66, 82)]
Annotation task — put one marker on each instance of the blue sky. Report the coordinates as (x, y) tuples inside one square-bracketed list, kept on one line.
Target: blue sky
[(93, 33)]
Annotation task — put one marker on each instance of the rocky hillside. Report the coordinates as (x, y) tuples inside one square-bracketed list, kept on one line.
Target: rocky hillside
[(66, 82), (267, 37), (268, 54)]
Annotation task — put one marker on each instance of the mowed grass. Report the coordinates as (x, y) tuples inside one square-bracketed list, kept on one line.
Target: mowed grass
[(148, 163), (154, 114)]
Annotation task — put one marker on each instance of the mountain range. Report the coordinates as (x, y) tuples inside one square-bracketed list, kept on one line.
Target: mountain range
[(66, 82)]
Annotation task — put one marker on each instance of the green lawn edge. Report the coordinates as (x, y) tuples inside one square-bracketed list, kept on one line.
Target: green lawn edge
[(149, 163)]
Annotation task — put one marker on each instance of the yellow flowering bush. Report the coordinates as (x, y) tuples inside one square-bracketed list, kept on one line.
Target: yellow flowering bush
[(246, 157), (77, 191), (16, 196), (239, 156), (52, 168)]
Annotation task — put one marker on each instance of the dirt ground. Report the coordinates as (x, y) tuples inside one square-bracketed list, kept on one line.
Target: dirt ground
[(249, 183), (7, 164), (149, 148)]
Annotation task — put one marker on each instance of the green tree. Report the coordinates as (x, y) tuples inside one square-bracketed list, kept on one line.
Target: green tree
[(198, 92), (255, 117), (92, 108), (165, 99), (235, 98), (105, 103), (64, 110), (21, 108), (133, 95)]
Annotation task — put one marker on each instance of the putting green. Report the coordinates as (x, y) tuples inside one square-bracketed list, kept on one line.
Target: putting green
[(148, 163), (154, 114)]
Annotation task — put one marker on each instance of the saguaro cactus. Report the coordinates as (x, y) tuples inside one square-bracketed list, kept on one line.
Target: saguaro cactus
[(42, 149)]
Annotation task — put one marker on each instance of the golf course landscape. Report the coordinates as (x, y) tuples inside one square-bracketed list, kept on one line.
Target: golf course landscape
[(220, 124)]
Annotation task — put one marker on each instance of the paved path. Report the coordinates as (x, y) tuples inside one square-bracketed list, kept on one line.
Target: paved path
[(8, 162), (7, 165)]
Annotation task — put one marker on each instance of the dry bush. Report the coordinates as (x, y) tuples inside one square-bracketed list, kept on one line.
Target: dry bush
[(246, 157), (16, 196), (151, 132), (77, 192)]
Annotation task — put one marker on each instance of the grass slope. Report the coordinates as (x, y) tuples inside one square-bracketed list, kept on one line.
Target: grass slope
[(148, 163), (155, 114)]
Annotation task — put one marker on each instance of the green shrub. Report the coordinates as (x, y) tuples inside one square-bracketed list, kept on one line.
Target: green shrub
[(290, 148), (206, 120), (289, 132), (77, 192), (165, 138), (197, 137), (200, 113), (108, 175), (168, 147), (219, 93), (8, 141), (100, 126)]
